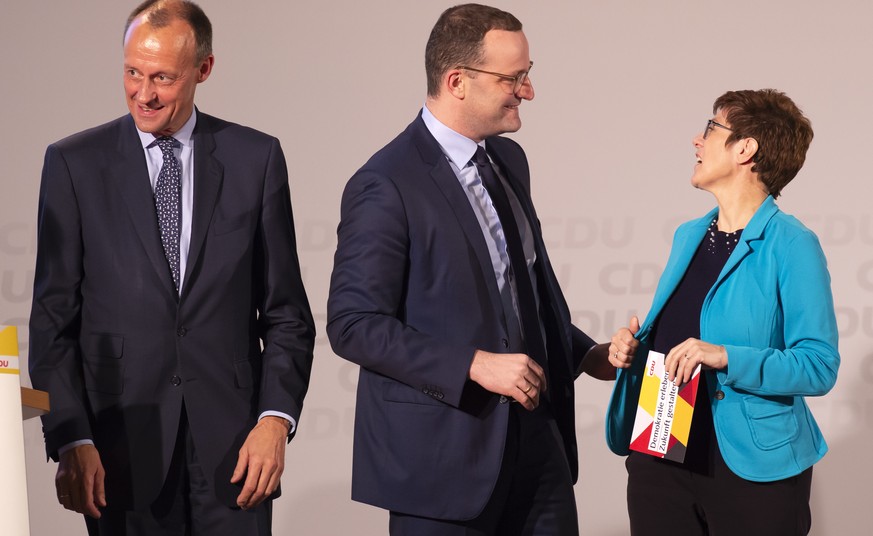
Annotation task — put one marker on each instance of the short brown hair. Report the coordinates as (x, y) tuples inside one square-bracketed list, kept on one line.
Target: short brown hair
[(782, 131), (163, 12), (456, 39)]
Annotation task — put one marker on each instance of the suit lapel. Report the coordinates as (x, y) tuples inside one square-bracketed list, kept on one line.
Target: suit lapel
[(129, 174), (208, 175), (442, 175)]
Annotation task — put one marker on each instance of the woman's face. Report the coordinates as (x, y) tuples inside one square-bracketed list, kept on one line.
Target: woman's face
[(715, 161)]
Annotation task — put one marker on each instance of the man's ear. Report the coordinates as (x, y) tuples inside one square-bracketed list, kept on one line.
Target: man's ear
[(205, 68), (455, 84)]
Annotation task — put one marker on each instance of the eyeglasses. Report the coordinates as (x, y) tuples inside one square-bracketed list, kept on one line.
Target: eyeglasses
[(517, 80), (710, 124)]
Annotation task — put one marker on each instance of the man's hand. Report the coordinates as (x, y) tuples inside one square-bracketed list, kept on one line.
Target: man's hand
[(624, 345), (514, 375), (79, 481), (262, 461)]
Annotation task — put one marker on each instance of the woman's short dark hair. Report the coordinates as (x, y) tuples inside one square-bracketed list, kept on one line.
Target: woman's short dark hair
[(782, 131)]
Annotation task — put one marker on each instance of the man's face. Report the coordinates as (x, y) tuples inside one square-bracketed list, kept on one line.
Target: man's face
[(491, 108), (160, 75)]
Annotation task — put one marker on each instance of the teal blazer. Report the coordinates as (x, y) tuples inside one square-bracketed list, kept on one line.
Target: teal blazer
[(772, 309)]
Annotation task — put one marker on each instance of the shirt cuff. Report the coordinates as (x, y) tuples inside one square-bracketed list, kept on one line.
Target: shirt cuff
[(72, 445), (285, 416)]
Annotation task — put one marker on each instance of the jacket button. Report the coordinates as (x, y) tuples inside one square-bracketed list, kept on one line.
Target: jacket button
[(181, 332), (503, 399), (505, 343), (719, 395), (175, 380)]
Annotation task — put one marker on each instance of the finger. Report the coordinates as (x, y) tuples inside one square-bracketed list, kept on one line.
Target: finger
[(671, 364), (267, 472), (683, 367), (537, 371), (249, 488), (99, 489), (275, 478), (634, 324), (523, 399), (87, 497), (241, 463)]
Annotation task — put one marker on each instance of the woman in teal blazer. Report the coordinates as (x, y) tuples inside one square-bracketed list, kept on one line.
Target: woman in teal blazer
[(746, 293)]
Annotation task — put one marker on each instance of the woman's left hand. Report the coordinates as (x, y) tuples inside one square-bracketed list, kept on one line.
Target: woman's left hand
[(684, 357)]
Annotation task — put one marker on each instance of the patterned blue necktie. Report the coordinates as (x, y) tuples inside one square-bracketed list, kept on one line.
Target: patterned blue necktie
[(168, 202)]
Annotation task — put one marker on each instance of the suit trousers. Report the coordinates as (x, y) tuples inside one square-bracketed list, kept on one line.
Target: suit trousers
[(186, 505), (666, 499), (534, 491)]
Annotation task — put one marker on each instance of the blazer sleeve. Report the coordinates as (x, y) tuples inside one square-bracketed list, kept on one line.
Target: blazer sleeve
[(803, 359), (55, 359), (286, 327), (368, 287)]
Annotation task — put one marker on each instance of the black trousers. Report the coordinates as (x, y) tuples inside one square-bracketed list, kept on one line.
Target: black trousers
[(534, 491), (186, 505), (667, 499)]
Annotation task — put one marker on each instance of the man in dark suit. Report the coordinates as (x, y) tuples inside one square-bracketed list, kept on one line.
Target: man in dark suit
[(443, 293), (169, 323)]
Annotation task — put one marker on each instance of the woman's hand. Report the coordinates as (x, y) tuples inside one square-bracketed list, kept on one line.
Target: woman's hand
[(624, 345), (684, 357)]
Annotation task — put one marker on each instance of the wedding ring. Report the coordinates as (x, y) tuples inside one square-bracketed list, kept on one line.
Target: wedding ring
[(526, 391)]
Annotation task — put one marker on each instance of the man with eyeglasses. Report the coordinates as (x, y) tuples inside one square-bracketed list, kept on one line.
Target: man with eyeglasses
[(443, 293)]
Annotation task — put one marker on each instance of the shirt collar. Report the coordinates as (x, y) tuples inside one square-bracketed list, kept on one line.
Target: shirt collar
[(184, 135), (457, 147)]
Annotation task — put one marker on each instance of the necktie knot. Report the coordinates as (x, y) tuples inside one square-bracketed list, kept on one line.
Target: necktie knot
[(166, 144), (481, 157)]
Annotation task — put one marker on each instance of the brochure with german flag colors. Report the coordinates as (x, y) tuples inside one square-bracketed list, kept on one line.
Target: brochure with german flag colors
[(664, 412)]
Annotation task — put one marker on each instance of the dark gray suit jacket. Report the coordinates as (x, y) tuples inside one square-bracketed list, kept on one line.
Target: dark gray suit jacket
[(114, 345)]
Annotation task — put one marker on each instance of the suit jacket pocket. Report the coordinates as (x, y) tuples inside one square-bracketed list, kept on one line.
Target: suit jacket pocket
[(97, 345), (772, 423), (393, 391)]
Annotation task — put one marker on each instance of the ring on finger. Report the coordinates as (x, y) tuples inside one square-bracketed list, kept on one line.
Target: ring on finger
[(526, 391)]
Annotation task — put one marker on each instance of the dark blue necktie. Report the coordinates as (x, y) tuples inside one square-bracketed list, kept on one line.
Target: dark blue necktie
[(527, 304), (168, 202)]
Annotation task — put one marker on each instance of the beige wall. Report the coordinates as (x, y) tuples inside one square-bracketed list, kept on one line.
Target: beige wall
[(621, 89)]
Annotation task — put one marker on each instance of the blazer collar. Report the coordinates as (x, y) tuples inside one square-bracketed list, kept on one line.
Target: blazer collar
[(688, 241)]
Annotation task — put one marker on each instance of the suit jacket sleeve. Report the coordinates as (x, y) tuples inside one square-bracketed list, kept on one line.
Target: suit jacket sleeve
[(803, 359), (366, 317), (55, 359), (285, 322)]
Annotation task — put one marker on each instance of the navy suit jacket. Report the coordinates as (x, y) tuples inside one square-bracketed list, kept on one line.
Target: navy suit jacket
[(115, 346), (413, 296)]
